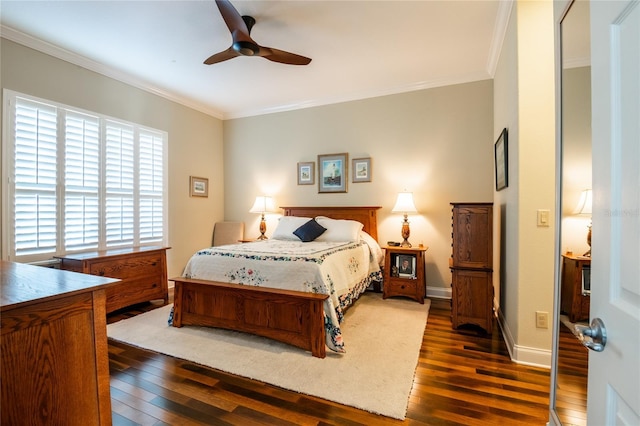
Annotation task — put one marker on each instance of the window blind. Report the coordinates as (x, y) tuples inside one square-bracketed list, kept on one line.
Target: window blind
[(80, 181)]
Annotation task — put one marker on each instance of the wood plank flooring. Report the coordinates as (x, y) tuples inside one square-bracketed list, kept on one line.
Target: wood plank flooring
[(571, 392), (463, 377)]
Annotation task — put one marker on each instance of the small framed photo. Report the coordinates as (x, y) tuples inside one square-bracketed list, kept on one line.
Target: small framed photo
[(199, 187), (406, 265), (306, 173), (501, 154), (361, 170), (333, 171)]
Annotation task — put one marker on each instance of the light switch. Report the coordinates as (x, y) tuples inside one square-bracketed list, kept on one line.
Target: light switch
[(543, 218)]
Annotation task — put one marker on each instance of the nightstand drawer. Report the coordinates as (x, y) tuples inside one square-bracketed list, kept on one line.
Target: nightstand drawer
[(402, 287)]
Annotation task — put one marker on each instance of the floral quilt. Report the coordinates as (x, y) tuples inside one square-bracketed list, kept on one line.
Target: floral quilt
[(341, 270)]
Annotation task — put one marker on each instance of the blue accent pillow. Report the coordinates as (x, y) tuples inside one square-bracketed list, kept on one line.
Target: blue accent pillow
[(309, 231)]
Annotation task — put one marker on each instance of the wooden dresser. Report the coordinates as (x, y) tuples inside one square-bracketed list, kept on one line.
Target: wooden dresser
[(143, 272), (472, 265), (574, 300), (55, 364)]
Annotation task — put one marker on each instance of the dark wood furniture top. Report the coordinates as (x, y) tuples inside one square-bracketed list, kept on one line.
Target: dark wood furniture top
[(573, 301), (142, 271), (55, 366), (300, 317), (395, 285)]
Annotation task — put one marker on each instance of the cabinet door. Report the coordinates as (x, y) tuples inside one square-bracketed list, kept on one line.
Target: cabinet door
[(472, 237), (472, 299)]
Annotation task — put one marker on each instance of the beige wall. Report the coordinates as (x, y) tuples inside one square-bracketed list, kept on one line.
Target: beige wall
[(576, 161), (524, 98), (195, 139), (437, 143)]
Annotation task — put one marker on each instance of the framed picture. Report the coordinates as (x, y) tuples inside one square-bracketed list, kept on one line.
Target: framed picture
[(361, 170), (406, 264), (199, 187), (502, 160), (306, 173), (332, 170)]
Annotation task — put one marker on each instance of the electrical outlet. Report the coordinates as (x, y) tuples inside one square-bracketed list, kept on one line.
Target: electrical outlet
[(542, 319)]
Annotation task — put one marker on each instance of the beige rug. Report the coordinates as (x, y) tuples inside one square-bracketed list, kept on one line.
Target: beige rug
[(382, 339)]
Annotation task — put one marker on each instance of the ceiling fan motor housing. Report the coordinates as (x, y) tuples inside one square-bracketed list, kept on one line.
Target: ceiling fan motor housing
[(246, 48)]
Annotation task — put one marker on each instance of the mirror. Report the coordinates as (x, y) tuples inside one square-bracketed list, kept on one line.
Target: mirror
[(571, 363)]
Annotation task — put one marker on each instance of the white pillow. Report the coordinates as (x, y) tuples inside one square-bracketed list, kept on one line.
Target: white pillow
[(339, 230), (286, 226), (374, 248)]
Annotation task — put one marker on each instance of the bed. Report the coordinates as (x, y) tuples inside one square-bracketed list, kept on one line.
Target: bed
[(302, 316)]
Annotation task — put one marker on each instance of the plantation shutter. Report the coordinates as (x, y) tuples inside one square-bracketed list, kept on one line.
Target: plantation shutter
[(35, 174), (78, 181), (151, 186), (119, 184), (81, 182)]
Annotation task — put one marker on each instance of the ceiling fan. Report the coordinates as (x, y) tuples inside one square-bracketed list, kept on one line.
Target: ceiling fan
[(243, 44)]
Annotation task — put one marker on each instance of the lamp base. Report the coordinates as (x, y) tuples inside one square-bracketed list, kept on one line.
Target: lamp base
[(262, 237), (405, 233)]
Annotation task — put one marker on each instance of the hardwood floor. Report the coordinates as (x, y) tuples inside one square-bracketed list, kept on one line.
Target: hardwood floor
[(463, 377), (571, 392)]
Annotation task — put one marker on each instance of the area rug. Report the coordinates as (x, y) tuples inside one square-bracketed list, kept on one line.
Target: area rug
[(382, 339)]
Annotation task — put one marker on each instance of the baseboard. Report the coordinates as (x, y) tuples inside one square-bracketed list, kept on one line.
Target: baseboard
[(522, 354), (439, 292)]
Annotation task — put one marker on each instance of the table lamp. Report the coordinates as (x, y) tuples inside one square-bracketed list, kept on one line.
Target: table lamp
[(404, 205), (584, 208), (262, 205)]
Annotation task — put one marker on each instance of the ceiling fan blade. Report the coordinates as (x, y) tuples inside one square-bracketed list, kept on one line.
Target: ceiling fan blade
[(233, 19), (283, 57), (221, 56)]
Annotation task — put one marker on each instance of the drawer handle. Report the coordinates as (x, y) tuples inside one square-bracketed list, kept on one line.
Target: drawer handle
[(402, 286), (154, 263), (101, 273)]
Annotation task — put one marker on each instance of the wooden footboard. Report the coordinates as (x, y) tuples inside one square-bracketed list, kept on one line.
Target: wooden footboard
[(291, 317)]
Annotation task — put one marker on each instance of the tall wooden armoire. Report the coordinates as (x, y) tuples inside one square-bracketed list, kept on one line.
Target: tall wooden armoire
[(472, 265)]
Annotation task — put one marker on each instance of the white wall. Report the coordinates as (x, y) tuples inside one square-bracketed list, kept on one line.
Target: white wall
[(437, 143), (195, 139)]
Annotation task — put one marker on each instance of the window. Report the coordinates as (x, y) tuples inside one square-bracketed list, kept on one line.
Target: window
[(79, 181)]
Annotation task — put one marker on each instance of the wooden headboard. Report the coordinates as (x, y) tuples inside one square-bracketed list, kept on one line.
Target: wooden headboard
[(368, 216)]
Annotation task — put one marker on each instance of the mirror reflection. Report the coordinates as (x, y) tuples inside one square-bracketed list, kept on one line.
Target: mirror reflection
[(571, 381)]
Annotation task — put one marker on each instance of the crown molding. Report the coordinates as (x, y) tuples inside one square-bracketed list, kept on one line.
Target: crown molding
[(84, 62), (358, 96), (119, 75), (499, 33)]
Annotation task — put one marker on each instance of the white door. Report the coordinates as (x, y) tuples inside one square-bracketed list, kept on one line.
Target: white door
[(614, 373)]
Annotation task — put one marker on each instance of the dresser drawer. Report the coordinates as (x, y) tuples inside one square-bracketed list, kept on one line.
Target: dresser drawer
[(134, 291), (129, 267)]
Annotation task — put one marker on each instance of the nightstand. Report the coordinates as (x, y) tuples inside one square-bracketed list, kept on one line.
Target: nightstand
[(575, 298), (404, 273)]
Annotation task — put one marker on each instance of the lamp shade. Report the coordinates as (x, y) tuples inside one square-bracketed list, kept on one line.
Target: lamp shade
[(584, 204), (404, 203), (263, 204)]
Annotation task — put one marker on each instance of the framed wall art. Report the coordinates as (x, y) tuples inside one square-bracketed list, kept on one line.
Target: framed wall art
[(199, 187), (361, 170), (332, 172), (306, 173), (501, 152)]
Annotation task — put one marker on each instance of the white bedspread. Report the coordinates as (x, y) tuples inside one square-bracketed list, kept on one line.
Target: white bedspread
[(341, 270)]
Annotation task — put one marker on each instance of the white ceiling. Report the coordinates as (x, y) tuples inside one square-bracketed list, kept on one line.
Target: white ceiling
[(359, 49)]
